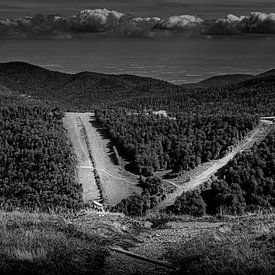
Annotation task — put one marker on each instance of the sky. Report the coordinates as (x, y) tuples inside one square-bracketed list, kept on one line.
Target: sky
[(176, 57), (207, 8)]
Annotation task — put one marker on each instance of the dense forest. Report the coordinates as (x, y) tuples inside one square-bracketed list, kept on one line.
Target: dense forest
[(220, 81), (247, 183), (204, 121), (252, 96), (77, 92), (153, 142), (36, 161)]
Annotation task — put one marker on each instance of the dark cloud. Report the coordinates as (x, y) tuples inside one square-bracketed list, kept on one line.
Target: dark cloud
[(146, 8)]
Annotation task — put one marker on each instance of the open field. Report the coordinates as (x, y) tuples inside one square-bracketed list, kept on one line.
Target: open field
[(93, 153), (256, 135)]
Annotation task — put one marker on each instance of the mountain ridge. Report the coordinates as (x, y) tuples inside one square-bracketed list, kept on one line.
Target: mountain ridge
[(63, 88), (87, 90)]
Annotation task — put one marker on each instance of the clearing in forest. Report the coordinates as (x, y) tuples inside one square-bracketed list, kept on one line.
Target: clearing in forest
[(84, 164), (93, 152)]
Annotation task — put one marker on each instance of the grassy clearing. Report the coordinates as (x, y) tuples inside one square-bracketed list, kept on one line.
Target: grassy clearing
[(47, 244), (114, 183)]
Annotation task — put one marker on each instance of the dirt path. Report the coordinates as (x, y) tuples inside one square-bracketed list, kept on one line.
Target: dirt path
[(114, 182), (256, 135)]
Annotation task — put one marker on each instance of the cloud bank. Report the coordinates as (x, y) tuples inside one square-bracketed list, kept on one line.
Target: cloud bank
[(181, 22), (255, 22), (122, 24)]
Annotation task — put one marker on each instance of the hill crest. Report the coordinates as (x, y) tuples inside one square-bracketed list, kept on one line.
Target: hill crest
[(87, 90)]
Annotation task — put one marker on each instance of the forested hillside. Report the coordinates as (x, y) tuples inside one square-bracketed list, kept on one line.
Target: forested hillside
[(78, 92), (204, 121), (203, 124), (152, 142), (247, 183), (85, 91), (253, 96), (220, 81), (36, 161)]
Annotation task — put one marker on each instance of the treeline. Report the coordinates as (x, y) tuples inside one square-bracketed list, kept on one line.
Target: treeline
[(77, 92), (85, 91), (36, 161), (246, 184), (253, 96), (203, 123), (248, 181), (153, 143)]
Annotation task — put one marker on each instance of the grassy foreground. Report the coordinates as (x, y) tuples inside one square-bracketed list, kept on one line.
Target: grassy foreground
[(47, 244), (39, 243), (240, 245)]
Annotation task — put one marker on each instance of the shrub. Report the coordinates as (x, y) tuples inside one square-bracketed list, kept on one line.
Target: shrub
[(159, 220), (137, 205), (190, 203)]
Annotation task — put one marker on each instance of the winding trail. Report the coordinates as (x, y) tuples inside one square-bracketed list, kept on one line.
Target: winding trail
[(256, 135)]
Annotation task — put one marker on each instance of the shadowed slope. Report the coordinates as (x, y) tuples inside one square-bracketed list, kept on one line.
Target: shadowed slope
[(83, 90)]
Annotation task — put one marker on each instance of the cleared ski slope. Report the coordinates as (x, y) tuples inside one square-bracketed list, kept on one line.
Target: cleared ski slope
[(93, 153), (256, 135)]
